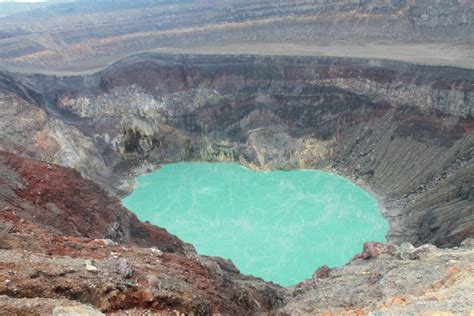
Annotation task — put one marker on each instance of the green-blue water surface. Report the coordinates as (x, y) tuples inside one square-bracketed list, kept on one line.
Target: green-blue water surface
[(278, 225)]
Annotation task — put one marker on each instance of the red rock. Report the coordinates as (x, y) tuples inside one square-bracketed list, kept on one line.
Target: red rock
[(372, 249), (322, 272), (74, 206), (374, 277), (48, 263)]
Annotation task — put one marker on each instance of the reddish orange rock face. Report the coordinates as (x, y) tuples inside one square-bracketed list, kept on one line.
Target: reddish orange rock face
[(61, 199), (47, 251)]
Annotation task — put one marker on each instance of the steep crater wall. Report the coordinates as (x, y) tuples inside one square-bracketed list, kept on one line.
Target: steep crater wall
[(403, 130)]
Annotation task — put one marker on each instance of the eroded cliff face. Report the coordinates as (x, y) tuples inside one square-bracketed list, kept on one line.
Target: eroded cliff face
[(56, 37), (403, 130), (53, 259)]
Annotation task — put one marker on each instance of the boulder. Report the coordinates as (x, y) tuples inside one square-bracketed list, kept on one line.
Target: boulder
[(468, 243), (409, 252), (372, 249), (322, 272)]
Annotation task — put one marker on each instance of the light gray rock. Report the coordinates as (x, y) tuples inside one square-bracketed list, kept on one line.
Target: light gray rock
[(108, 242), (468, 243), (76, 311), (154, 281), (90, 266), (406, 251), (156, 251), (125, 268), (409, 252)]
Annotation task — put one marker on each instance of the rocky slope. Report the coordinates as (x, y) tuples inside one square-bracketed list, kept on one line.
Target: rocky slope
[(388, 280), (405, 131), (76, 127), (64, 241), (88, 34), (50, 270), (62, 201)]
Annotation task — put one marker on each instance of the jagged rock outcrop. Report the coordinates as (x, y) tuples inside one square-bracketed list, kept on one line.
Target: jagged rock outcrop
[(385, 282), (403, 130)]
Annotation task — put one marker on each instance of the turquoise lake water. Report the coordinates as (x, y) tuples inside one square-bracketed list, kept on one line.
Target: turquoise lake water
[(278, 225)]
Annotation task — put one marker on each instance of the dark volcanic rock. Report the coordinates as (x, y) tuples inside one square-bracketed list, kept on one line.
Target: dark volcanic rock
[(322, 272), (403, 130)]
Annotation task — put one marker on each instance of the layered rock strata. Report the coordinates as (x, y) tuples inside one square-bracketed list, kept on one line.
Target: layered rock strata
[(405, 131), (84, 35)]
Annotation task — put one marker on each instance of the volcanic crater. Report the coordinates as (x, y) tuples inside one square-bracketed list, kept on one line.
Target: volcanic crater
[(84, 112)]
